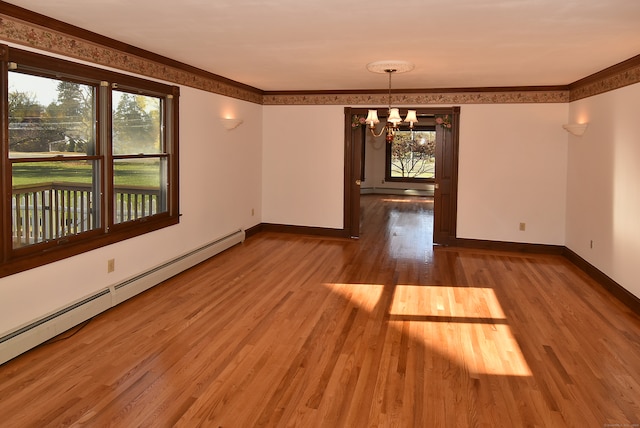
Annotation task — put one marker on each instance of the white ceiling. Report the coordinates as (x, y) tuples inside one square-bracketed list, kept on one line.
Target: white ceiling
[(317, 45)]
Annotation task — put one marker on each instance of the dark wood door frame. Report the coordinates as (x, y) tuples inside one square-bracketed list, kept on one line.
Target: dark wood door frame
[(353, 145), (446, 181)]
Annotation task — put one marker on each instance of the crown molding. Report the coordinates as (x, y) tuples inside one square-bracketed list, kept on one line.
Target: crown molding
[(617, 76)]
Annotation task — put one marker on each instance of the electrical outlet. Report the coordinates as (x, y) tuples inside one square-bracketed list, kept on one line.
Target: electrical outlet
[(111, 265), (523, 227)]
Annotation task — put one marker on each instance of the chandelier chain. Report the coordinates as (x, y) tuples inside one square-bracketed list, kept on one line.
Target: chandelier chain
[(390, 73)]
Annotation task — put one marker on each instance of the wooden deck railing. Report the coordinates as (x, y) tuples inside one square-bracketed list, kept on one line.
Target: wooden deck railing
[(50, 211)]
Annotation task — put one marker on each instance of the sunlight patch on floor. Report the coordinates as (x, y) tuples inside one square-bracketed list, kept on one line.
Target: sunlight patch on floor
[(465, 323)]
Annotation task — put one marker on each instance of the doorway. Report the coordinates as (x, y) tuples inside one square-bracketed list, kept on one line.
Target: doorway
[(446, 176)]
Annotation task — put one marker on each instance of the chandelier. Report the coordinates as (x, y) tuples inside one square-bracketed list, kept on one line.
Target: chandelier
[(393, 115)]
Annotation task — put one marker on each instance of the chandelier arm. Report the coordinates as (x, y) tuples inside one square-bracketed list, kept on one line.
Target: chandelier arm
[(374, 133)]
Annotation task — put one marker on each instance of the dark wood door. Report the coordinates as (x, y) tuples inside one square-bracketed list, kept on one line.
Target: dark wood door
[(354, 144), (358, 144), (446, 182)]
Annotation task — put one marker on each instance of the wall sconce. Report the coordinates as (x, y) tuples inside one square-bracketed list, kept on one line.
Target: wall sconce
[(576, 128), (230, 124)]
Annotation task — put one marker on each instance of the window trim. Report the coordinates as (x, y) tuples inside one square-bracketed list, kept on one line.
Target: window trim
[(14, 260), (387, 160)]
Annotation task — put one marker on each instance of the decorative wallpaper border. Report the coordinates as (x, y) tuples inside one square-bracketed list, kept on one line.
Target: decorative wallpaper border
[(27, 34), (40, 37), (471, 97), (609, 82)]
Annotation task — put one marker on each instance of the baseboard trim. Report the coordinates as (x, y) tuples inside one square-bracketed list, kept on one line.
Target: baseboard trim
[(304, 230), (254, 230), (520, 247), (615, 289)]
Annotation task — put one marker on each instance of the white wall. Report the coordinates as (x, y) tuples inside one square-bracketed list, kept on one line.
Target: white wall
[(603, 203), (220, 173), (512, 170), (220, 170), (303, 169)]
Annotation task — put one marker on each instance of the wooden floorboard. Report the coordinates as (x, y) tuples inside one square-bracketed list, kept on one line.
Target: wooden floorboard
[(385, 331)]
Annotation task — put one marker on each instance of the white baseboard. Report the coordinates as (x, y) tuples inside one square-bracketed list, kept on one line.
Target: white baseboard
[(393, 191)]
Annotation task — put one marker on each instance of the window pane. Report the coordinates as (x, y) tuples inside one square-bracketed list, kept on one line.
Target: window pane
[(49, 117), (136, 124), (53, 200), (413, 154), (139, 188)]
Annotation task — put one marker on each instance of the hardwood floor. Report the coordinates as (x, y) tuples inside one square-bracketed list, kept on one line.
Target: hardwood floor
[(386, 331)]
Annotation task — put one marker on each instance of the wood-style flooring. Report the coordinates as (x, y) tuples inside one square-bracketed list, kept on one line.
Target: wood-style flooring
[(385, 331)]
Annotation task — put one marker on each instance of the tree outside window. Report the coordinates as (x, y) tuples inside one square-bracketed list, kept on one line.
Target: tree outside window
[(411, 155)]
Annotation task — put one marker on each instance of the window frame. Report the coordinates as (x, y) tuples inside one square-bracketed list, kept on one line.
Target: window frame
[(388, 161), (13, 260)]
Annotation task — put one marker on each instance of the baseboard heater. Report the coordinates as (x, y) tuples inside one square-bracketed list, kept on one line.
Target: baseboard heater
[(42, 329)]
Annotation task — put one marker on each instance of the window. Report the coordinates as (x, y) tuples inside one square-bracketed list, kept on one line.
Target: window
[(52, 158), (411, 155), (89, 158), (139, 161)]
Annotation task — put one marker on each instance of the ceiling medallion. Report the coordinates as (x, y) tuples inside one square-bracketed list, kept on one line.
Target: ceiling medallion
[(390, 65)]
